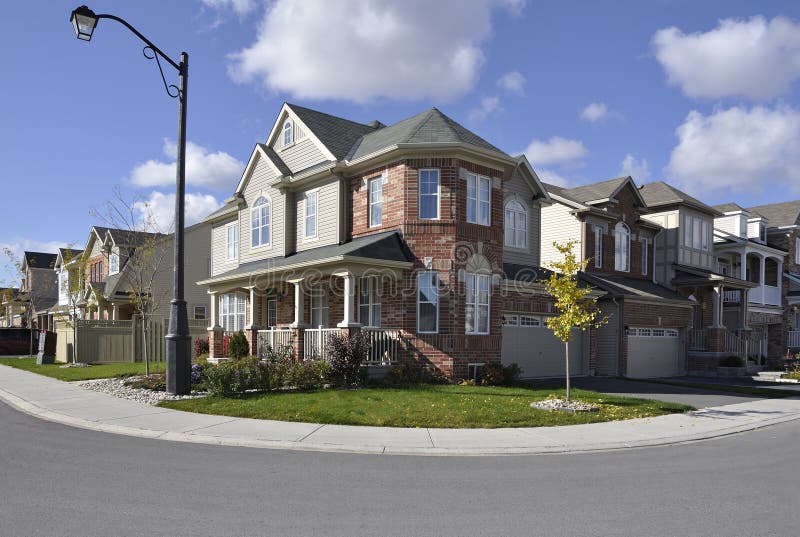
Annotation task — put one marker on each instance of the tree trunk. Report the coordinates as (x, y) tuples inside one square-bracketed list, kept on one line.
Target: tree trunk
[(566, 348), (144, 349)]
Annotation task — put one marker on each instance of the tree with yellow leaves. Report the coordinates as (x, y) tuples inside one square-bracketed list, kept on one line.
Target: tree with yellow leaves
[(576, 309)]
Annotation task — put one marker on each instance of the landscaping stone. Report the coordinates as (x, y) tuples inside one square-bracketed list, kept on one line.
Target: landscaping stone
[(117, 388), (562, 405)]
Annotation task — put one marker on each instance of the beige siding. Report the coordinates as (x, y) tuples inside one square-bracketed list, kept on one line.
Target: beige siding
[(666, 245), (692, 256), (197, 244), (518, 189), (327, 215), (607, 363), (558, 225), (300, 155), (218, 245), (257, 186), (729, 225)]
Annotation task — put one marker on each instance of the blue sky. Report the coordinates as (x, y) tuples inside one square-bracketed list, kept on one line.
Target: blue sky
[(701, 94)]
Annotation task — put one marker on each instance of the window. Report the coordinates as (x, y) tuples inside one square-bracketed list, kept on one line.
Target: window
[(622, 248), (319, 306), (232, 311), (200, 313), (516, 225), (310, 220), (797, 250), (510, 319), (369, 301), (644, 255), (706, 235), (375, 201), (428, 302), (598, 247), (477, 312), (762, 232), (259, 222), (272, 312), (113, 263), (96, 272), (429, 194), (687, 231), (530, 321), (232, 242), (478, 199), (287, 132)]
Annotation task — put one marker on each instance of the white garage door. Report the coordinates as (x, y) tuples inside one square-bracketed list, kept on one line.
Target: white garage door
[(530, 344), (653, 352)]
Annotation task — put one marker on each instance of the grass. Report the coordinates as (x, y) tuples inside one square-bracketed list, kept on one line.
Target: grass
[(425, 406), (766, 393), (99, 371)]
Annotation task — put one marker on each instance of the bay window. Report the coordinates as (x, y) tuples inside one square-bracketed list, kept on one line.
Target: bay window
[(622, 248), (319, 306), (369, 301), (429, 194), (478, 199), (428, 302), (232, 311), (516, 225), (477, 304), (375, 201)]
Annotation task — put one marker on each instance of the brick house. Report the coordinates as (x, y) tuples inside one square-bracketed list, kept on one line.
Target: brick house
[(39, 286), (405, 231)]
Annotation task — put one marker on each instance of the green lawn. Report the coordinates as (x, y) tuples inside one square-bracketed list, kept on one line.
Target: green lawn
[(425, 406), (81, 373)]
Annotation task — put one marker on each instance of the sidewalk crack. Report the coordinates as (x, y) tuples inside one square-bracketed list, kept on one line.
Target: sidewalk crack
[(309, 434), (430, 438)]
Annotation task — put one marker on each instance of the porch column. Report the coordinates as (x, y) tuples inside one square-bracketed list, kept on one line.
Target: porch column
[(253, 323), (349, 300), (762, 270), (213, 310), (780, 281), (298, 303), (716, 302), (745, 313), (114, 311), (743, 266)]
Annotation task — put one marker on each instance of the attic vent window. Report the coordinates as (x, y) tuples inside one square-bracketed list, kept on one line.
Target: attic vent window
[(287, 132)]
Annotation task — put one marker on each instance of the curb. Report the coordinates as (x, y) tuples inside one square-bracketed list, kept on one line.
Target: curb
[(48, 415)]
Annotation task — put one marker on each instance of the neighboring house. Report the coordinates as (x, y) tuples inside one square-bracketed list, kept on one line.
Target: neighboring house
[(70, 285), (685, 261), (405, 230), (783, 234), (39, 286), (12, 307), (610, 226)]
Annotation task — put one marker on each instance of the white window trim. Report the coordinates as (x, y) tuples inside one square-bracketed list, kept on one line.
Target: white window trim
[(234, 299), (306, 236), (373, 299), (797, 250), (235, 257), (436, 284), (255, 208), (374, 181), (526, 227), (275, 303), (111, 269), (598, 247), (475, 304), (478, 180), (319, 292), (290, 143), (205, 313), (617, 251), (438, 193), (645, 254)]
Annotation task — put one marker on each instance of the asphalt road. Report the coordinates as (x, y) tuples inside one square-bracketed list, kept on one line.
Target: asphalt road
[(57, 480)]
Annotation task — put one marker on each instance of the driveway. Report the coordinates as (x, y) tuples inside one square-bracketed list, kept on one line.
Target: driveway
[(696, 397)]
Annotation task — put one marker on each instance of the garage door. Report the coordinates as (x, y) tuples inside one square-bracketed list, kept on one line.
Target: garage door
[(530, 344), (653, 352)]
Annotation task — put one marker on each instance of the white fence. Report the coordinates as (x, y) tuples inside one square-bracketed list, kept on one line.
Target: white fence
[(274, 339), (315, 342), (383, 345), (794, 338)]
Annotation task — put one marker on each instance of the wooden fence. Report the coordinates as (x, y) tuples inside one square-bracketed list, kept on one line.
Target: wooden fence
[(117, 341)]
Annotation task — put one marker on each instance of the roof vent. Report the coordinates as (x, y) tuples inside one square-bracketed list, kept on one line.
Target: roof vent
[(375, 124)]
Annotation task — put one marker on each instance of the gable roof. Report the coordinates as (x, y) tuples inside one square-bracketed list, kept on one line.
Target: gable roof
[(729, 208), (123, 237), (625, 286), (594, 192), (428, 127), (39, 260), (336, 133), (780, 214), (531, 177), (660, 194)]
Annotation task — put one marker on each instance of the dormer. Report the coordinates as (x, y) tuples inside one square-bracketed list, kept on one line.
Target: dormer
[(757, 228), (732, 223)]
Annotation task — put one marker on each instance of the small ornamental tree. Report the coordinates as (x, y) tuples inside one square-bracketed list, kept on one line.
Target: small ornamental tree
[(575, 308)]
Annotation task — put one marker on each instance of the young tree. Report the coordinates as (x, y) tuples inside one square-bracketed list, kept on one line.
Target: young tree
[(73, 286), (144, 250), (575, 308)]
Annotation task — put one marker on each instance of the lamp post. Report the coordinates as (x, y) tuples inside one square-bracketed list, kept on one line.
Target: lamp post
[(84, 21)]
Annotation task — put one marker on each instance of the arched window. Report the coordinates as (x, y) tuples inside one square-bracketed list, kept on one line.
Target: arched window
[(287, 132), (516, 225), (622, 248), (259, 222)]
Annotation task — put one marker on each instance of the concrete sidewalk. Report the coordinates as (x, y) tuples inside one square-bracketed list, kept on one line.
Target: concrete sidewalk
[(68, 404)]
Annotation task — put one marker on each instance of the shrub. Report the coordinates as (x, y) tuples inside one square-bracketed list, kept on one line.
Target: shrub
[(220, 379), (347, 351), (201, 346), (307, 374), (238, 347), (494, 374), (237, 377), (156, 383), (198, 377), (283, 353), (730, 361)]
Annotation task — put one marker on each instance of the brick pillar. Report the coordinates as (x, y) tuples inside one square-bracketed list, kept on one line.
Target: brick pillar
[(297, 343), (716, 339), (215, 342), (252, 339)]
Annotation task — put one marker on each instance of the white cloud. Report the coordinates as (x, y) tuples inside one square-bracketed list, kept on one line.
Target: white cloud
[(488, 106), (16, 246), (594, 112), (512, 82), (161, 208), (636, 168), (755, 58), (357, 50), (240, 7), (553, 178), (556, 150), (217, 170), (738, 150)]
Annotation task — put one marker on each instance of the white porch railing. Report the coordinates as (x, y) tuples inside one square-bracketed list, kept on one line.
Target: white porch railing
[(315, 342), (275, 338), (766, 294), (697, 339), (383, 345), (732, 296), (794, 338)]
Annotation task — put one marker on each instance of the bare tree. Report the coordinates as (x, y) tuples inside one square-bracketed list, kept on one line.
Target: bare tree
[(25, 295), (143, 254)]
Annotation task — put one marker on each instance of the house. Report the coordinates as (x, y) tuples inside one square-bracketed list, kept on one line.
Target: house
[(611, 227), (783, 234), (39, 286), (69, 275), (405, 231), (685, 262), (12, 307)]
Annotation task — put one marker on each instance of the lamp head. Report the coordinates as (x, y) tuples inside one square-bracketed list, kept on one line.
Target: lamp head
[(83, 21)]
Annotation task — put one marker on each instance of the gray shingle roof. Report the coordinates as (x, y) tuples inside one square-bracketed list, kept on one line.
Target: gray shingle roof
[(123, 237), (780, 214), (40, 260), (222, 210), (276, 160), (525, 273), (430, 126), (335, 133), (659, 193), (68, 254), (728, 207), (595, 191), (632, 287), (386, 246)]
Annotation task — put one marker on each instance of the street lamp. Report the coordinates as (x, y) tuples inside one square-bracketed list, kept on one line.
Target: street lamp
[(84, 21)]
